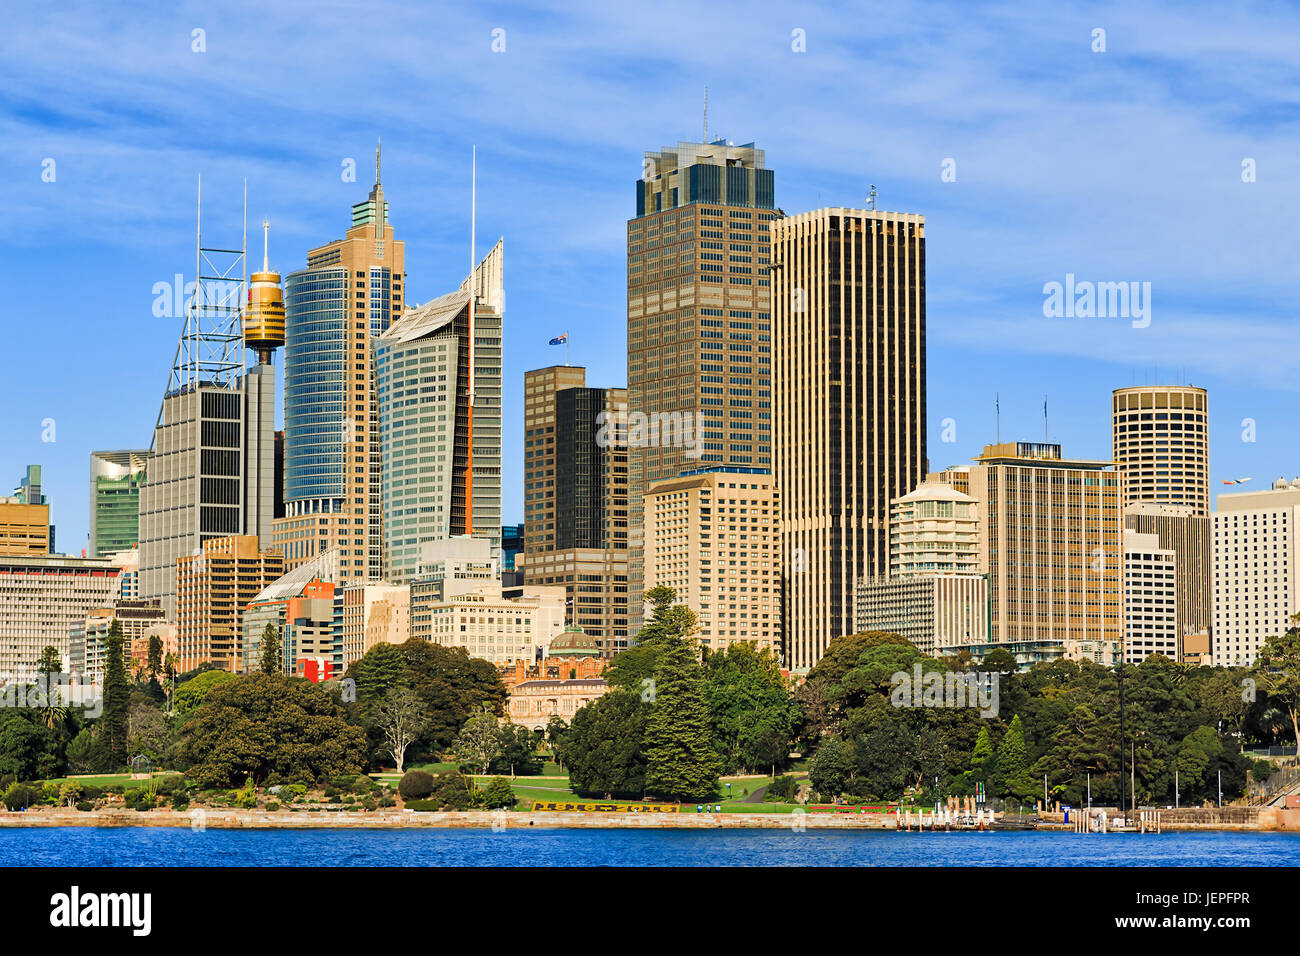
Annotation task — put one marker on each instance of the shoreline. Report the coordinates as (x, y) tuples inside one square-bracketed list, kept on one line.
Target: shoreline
[(1265, 821)]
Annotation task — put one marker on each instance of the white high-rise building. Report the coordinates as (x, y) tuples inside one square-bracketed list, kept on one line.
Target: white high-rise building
[(1256, 563), (1150, 598)]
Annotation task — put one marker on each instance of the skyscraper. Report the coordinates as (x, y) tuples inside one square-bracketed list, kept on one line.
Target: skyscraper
[(214, 586), (115, 481), (849, 379), (575, 498), (1052, 546), (29, 492), (439, 427), (350, 292), (1161, 438), (1256, 569), (212, 455), (1161, 441), (699, 331)]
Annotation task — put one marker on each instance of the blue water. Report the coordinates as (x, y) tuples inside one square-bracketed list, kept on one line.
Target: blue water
[(139, 846)]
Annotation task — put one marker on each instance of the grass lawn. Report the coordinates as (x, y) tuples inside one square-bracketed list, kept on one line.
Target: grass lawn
[(111, 779)]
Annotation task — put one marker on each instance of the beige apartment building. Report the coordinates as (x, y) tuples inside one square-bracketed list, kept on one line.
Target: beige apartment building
[(350, 292), (575, 498), (24, 528), (1052, 546), (1161, 443), (1256, 569), (849, 384), (713, 538), (374, 614), (213, 588), (934, 593), (699, 329)]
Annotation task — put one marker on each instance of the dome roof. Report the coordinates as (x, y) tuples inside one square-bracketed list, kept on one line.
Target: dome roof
[(574, 642)]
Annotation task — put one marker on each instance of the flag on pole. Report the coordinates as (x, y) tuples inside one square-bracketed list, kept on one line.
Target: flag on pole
[(559, 339)]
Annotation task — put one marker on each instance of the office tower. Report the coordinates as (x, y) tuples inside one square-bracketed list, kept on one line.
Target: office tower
[(24, 528), (934, 593), (1256, 569), (350, 292), (41, 598), (304, 620), (699, 331), (1162, 444), (374, 614), (212, 457), (493, 627), (115, 481), (29, 492), (1150, 599), (575, 498), (512, 543), (1187, 535), (439, 420), (1052, 546), (712, 537), (849, 378), (212, 589)]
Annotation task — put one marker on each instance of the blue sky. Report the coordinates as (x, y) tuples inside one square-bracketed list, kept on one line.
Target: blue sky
[(1117, 166)]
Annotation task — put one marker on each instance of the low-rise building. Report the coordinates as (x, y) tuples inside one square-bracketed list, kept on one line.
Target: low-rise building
[(534, 703), (42, 597)]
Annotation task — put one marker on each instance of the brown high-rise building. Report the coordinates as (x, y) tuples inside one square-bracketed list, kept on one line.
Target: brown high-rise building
[(849, 379), (350, 292), (212, 589), (699, 331), (1188, 536), (575, 498), (24, 528), (1052, 547)]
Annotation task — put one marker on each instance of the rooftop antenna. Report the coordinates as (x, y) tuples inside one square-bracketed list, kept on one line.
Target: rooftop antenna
[(266, 245), (997, 418), (871, 197), (379, 145), (704, 130), (1044, 419)]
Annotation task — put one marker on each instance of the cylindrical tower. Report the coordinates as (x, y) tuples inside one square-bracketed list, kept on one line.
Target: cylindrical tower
[(264, 317), (1161, 442)]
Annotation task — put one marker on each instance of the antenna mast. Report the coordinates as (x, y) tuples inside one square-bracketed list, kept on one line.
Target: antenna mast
[(704, 130)]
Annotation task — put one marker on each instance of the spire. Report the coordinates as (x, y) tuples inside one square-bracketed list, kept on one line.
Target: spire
[(266, 245), (704, 133), (378, 146)]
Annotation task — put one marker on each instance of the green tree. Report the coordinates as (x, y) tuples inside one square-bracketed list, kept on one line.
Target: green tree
[(681, 762), (479, 741), (603, 746), (50, 661), (113, 723), (981, 758), (271, 652), (831, 768), (1278, 671), (498, 794), (28, 749), (154, 661), (1013, 763), (518, 750), (190, 694), (268, 725), (751, 714), (400, 717)]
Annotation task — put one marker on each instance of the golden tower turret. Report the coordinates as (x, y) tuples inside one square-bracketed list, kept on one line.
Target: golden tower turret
[(264, 317)]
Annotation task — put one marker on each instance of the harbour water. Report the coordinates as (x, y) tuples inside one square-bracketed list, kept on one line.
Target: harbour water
[(146, 846)]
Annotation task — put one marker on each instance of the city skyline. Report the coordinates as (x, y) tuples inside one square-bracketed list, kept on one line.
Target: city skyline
[(1046, 192)]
